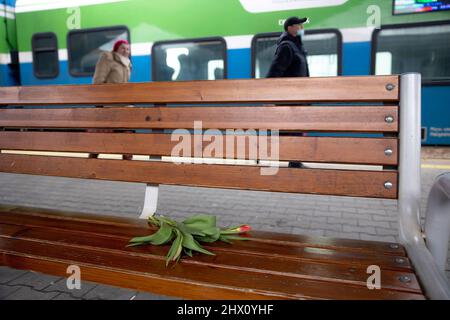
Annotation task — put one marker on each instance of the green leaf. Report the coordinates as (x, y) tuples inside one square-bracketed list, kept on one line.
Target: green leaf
[(142, 240), (213, 231), (154, 221), (167, 220), (229, 231), (135, 244), (175, 250), (188, 252), (188, 230), (190, 243), (193, 231), (224, 239), (207, 239), (201, 222), (233, 238), (165, 234), (162, 236), (211, 235)]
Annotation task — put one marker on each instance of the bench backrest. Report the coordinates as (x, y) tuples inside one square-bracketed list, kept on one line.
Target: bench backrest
[(332, 105)]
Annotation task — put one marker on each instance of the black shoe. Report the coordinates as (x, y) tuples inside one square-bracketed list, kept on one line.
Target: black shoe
[(296, 165)]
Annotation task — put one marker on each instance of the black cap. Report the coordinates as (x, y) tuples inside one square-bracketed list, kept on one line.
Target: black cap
[(294, 20)]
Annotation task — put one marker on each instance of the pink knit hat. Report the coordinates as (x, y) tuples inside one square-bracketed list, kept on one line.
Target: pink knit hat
[(118, 44)]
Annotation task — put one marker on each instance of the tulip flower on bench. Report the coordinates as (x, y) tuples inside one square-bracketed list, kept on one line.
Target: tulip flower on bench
[(187, 235)]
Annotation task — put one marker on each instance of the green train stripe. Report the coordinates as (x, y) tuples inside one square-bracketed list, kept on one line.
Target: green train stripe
[(150, 21)]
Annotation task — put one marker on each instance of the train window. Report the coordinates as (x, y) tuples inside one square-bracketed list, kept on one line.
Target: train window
[(324, 49), (45, 55), (199, 59), (86, 45), (413, 48)]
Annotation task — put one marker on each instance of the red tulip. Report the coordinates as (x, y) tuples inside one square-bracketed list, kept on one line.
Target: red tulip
[(244, 228), (240, 229)]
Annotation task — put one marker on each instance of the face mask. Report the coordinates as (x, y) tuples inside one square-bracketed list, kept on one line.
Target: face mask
[(301, 32)]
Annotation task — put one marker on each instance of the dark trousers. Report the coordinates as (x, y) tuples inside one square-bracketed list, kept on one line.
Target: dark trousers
[(293, 164)]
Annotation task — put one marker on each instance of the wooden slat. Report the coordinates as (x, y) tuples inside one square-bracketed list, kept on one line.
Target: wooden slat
[(327, 182), (371, 88), (128, 227), (313, 149), (312, 118), (225, 260), (203, 283)]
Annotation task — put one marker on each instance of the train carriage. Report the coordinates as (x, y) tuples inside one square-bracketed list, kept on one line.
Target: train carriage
[(59, 42)]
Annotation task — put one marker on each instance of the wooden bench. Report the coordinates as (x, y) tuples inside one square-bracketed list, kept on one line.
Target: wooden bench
[(272, 265)]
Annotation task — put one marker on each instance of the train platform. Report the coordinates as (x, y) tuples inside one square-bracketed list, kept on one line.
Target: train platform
[(352, 218), (436, 153)]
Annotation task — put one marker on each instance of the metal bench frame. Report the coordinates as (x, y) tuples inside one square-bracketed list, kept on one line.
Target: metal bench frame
[(428, 261)]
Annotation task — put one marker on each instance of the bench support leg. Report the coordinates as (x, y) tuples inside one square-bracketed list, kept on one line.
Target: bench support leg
[(437, 219), (150, 201)]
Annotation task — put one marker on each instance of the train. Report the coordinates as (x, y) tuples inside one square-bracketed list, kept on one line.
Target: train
[(48, 42)]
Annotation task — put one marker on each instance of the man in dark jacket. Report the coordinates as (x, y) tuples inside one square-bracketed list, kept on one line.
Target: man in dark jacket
[(290, 56), (290, 60)]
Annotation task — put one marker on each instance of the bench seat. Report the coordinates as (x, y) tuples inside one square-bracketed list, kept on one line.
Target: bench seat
[(269, 266)]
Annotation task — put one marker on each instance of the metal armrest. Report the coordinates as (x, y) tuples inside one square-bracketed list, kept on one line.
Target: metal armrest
[(437, 219)]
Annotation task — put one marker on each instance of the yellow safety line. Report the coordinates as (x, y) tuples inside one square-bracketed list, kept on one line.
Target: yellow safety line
[(435, 166)]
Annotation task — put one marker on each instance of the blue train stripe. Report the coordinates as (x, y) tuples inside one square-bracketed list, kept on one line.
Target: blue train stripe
[(352, 63)]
